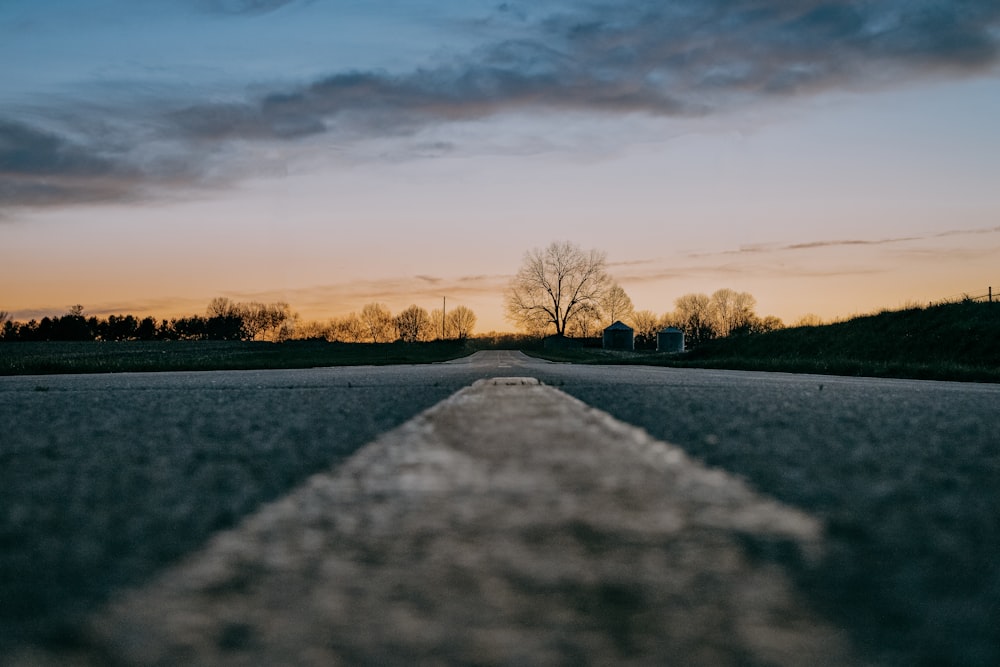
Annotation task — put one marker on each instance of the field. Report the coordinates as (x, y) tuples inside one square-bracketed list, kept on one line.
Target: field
[(137, 356)]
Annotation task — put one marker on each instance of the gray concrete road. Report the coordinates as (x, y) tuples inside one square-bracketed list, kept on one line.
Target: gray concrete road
[(108, 481)]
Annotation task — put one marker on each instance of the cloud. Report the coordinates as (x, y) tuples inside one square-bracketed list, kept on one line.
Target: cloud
[(680, 58), (760, 248), (848, 242), (242, 6), (39, 167)]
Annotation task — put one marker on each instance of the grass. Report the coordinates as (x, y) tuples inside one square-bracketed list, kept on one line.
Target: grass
[(958, 341), (135, 356)]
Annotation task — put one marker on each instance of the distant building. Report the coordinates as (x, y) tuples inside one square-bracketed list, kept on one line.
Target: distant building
[(619, 337), (670, 340)]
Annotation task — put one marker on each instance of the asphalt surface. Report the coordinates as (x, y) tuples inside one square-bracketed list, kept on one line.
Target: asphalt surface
[(107, 480)]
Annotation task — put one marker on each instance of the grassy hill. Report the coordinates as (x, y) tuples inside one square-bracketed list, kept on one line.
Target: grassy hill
[(957, 341), (949, 341)]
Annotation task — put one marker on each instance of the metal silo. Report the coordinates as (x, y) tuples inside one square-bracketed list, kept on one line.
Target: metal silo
[(619, 336), (670, 339)]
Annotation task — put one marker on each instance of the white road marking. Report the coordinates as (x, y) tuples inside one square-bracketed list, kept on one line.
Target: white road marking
[(509, 524)]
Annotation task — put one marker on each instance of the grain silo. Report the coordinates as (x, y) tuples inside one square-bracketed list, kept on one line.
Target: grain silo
[(670, 340), (619, 336)]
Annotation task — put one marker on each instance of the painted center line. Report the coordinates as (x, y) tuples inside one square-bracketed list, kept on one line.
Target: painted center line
[(509, 524)]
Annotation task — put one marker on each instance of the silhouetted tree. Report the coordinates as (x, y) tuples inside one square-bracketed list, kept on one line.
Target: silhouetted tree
[(189, 328), (732, 311), (615, 305), (118, 327), (693, 315), (378, 323), (554, 285), (414, 324), (280, 320), (222, 306), (586, 324), (224, 327), (254, 319), (460, 323), (146, 329), (766, 324), (349, 329), (70, 327), (646, 325), (259, 319)]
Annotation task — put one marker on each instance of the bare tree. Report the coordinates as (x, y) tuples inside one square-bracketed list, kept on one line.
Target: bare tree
[(439, 325), (554, 285), (587, 322), (693, 315), (313, 330), (257, 319), (222, 306), (733, 311), (414, 324), (378, 323), (646, 324), (254, 317), (460, 323), (281, 321), (615, 305), (766, 324), (349, 329)]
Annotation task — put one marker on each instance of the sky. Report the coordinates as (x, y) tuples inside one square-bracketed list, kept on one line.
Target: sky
[(829, 157)]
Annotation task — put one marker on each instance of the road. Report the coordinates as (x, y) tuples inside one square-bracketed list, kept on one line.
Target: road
[(107, 482)]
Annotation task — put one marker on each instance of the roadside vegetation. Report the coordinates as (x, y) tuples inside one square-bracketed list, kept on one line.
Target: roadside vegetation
[(954, 341)]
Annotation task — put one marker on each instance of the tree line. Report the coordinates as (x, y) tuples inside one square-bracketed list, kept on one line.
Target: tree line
[(565, 290), (375, 323), (226, 319)]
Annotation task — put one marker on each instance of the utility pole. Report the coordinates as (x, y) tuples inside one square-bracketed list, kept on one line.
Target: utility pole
[(444, 306)]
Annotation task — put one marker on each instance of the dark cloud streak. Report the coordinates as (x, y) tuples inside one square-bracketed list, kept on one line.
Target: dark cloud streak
[(237, 7), (841, 243)]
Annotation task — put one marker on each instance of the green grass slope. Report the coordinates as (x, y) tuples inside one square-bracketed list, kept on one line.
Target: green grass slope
[(957, 341)]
